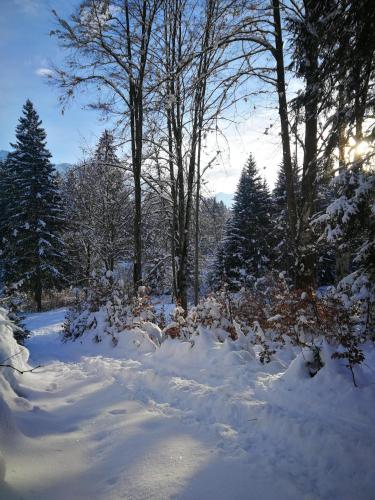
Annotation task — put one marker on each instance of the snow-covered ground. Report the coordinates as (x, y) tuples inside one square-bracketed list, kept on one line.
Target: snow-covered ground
[(183, 422)]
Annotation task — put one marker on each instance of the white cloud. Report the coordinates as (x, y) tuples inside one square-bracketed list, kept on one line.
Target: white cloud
[(44, 72)]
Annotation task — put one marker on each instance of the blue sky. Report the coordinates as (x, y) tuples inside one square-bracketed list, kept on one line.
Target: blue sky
[(25, 50)]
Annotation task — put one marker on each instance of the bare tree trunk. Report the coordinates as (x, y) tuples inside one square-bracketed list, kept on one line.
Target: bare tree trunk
[(197, 218), (185, 233), (88, 262), (136, 103), (119, 61), (196, 129), (188, 93), (174, 230), (284, 122), (137, 272), (305, 278), (38, 290)]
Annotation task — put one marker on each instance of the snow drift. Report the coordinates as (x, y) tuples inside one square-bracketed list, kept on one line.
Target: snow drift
[(15, 355)]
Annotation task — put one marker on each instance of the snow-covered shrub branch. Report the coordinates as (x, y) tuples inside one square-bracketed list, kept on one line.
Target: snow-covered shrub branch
[(349, 224), (275, 315), (107, 308)]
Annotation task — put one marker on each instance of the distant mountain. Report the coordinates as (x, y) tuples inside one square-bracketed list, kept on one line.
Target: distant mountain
[(226, 198), (3, 154), (60, 167)]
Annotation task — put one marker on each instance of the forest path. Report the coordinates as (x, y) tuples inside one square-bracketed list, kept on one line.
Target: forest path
[(203, 423), (84, 436)]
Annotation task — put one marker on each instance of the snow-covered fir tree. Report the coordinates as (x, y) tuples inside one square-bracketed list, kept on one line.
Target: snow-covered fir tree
[(245, 251), (5, 196), (283, 246), (100, 211), (32, 247), (350, 224), (326, 258)]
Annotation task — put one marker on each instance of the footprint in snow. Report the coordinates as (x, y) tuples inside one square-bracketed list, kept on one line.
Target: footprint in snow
[(118, 412)]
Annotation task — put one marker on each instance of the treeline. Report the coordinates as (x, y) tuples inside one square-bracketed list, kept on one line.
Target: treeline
[(64, 230)]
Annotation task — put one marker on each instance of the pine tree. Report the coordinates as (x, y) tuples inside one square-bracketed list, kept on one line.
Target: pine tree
[(246, 246), (217, 276), (113, 203), (33, 249), (5, 195), (283, 260), (283, 244)]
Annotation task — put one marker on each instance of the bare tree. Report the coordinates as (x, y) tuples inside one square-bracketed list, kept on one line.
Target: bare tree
[(199, 84), (109, 46)]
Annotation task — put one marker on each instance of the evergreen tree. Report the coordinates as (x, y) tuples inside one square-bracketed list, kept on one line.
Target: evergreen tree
[(283, 244), (245, 252), (5, 195), (114, 204), (283, 256), (217, 275), (326, 261), (32, 247), (100, 209)]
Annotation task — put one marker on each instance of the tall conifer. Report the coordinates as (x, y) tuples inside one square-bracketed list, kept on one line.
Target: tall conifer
[(246, 247), (32, 247)]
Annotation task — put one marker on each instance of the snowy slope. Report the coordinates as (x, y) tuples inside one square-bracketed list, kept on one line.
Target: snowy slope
[(183, 422)]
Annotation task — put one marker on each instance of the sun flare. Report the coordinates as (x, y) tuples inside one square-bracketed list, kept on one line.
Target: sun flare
[(362, 148)]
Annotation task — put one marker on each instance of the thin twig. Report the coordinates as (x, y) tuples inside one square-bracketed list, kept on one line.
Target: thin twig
[(20, 371)]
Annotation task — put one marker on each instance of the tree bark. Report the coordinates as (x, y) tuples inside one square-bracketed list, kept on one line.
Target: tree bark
[(305, 278), (284, 123), (38, 290), (136, 104), (197, 218)]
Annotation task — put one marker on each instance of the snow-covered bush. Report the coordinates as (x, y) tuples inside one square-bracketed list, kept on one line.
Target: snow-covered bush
[(212, 313), (11, 353), (273, 314), (177, 328), (107, 308), (276, 315)]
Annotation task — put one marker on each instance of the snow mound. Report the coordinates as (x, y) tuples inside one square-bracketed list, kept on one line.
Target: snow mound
[(12, 354)]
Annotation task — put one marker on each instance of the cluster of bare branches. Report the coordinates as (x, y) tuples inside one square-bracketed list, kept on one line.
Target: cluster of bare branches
[(169, 71)]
